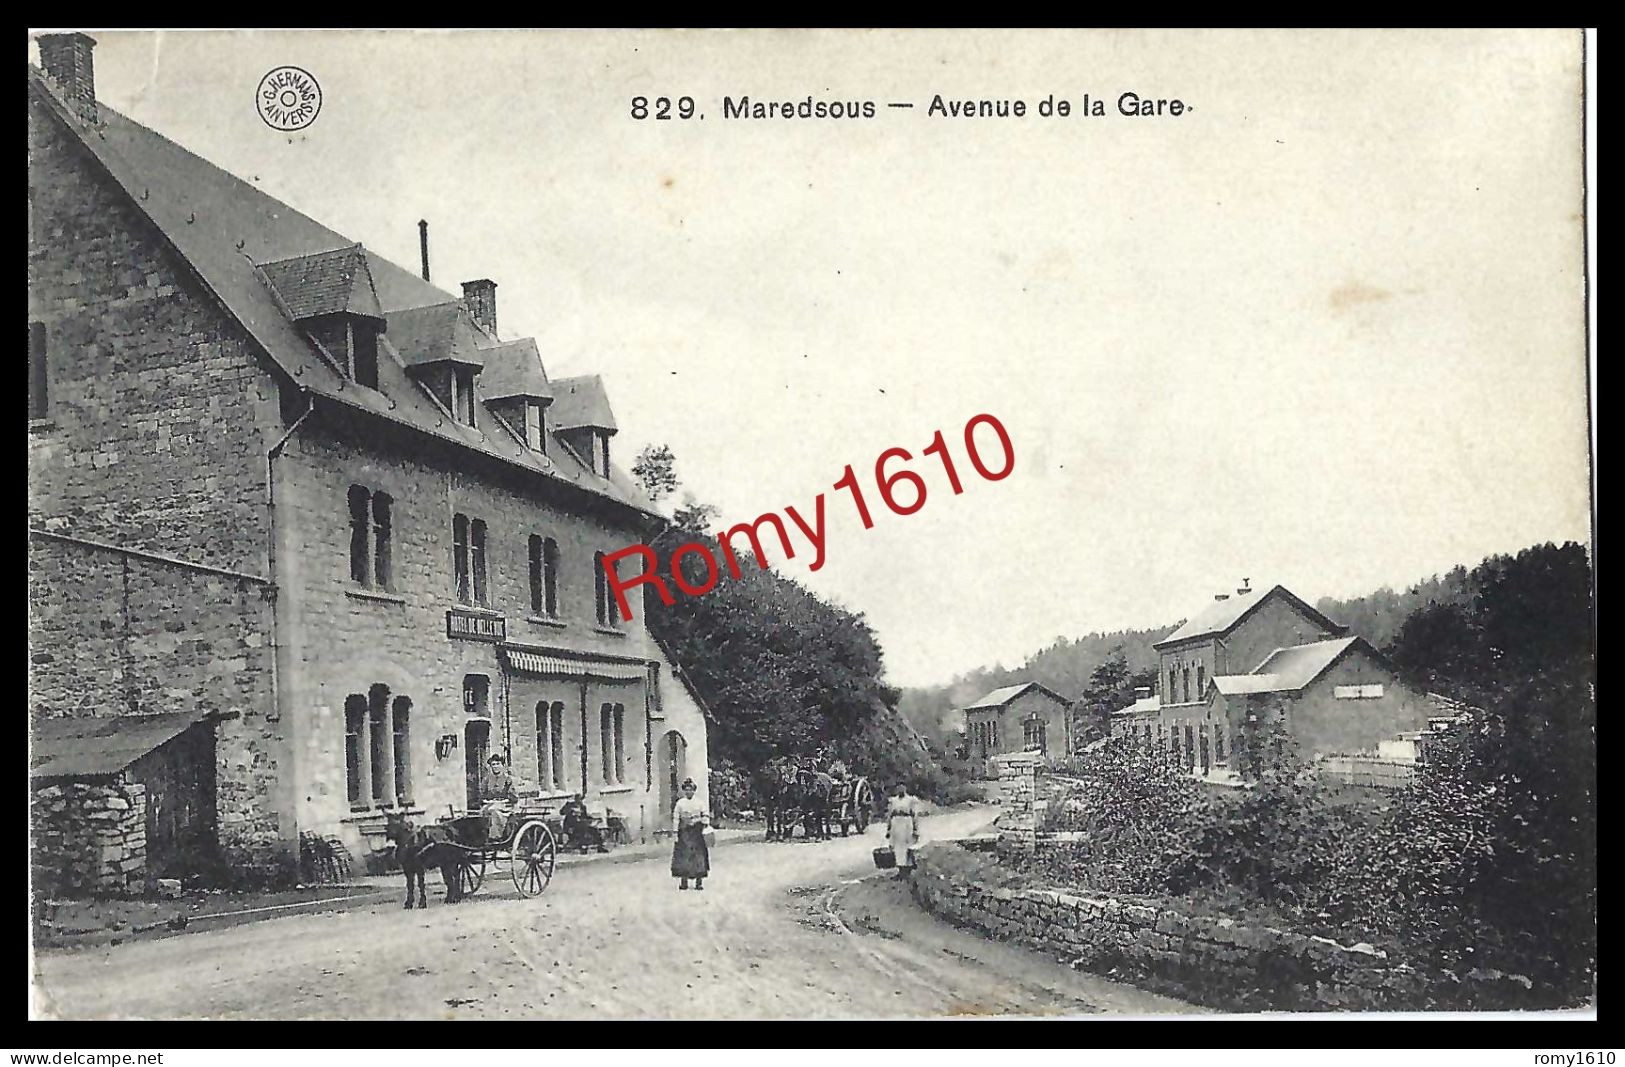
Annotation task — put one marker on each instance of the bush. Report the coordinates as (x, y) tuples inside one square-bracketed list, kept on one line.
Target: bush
[(730, 790), (1130, 802)]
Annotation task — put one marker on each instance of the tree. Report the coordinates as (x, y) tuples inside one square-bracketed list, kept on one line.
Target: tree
[(781, 670), (1111, 688), (655, 470)]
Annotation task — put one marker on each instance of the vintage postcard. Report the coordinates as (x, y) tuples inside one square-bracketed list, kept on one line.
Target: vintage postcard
[(803, 524)]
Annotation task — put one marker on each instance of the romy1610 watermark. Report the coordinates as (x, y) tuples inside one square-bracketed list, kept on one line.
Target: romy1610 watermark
[(888, 479)]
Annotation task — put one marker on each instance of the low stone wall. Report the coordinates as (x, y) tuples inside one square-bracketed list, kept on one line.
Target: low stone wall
[(89, 838), (1212, 961)]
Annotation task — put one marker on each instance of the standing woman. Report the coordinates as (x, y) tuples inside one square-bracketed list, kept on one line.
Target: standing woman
[(903, 828), (689, 857)]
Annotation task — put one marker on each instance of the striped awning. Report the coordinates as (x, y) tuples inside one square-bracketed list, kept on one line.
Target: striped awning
[(560, 667)]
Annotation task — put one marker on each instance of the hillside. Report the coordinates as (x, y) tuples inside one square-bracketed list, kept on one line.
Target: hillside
[(1066, 665)]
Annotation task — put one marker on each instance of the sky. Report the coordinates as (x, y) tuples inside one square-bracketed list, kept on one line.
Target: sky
[(1324, 328)]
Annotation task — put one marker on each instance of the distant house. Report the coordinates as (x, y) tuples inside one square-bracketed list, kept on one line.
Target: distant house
[(1017, 718), (1253, 658)]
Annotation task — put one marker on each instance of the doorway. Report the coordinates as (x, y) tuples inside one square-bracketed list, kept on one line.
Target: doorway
[(476, 749), (673, 763)]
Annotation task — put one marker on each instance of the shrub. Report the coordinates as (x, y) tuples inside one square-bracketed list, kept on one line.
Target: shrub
[(730, 790), (1130, 803)]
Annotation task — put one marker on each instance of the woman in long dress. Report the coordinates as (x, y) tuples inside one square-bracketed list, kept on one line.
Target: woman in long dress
[(903, 828), (689, 856)]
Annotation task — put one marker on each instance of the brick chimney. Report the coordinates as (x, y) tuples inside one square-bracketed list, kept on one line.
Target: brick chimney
[(66, 59), (480, 297)]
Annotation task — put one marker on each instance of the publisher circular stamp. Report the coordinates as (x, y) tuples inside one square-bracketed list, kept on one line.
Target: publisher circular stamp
[(288, 98)]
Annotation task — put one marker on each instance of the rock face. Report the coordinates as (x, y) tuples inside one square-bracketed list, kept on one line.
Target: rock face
[(1214, 961), (89, 838)]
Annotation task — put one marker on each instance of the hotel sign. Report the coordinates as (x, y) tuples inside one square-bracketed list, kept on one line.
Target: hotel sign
[(473, 626)]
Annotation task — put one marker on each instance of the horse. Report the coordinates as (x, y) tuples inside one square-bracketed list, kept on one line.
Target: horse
[(817, 793), (776, 783), (421, 848)]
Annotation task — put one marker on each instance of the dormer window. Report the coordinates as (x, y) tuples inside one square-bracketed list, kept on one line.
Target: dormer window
[(331, 296), (364, 354), (462, 394), (601, 455), (534, 436)]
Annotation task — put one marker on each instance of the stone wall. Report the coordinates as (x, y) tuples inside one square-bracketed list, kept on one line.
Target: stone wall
[(341, 638), (112, 633), (1213, 961), (89, 838), (1018, 775)]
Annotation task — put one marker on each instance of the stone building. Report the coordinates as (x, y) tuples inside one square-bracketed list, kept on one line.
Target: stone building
[(1017, 718), (1255, 658), (315, 506)]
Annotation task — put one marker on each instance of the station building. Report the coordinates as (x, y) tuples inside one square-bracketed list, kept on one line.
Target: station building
[(1259, 657), (304, 525)]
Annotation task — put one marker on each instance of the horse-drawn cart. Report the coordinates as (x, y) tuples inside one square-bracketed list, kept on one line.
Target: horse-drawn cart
[(851, 803), (527, 853)]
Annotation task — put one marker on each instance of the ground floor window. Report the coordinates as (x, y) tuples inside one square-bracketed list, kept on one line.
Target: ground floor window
[(377, 748), (550, 766), (1032, 735), (612, 742)]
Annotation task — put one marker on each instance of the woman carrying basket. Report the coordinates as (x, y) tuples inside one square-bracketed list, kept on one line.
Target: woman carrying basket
[(690, 858), (903, 828)]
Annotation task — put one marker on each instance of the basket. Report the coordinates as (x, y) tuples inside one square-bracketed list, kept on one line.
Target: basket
[(885, 858)]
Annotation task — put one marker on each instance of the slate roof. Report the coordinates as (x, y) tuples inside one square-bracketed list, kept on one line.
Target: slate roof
[(436, 333), (1004, 695), (514, 368), (1290, 669), (1150, 703), (581, 402), (228, 231), (1222, 616), (86, 747), (326, 283)]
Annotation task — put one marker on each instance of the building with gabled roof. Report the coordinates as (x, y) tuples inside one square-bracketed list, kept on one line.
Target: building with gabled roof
[(1252, 658), (1026, 717), (315, 506)]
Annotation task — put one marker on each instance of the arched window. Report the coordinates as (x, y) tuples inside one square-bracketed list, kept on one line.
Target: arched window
[(550, 576), (538, 598), (1172, 699), (382, 564), (358, 535), (370, 522), (550, 767), (476, 548), (357, 777), (459, 557), (1201, 681), (377, 748), (600, 589), (401, 725), (1187, 685)]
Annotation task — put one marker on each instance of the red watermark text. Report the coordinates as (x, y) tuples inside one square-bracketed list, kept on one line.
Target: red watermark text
[(889, 478)]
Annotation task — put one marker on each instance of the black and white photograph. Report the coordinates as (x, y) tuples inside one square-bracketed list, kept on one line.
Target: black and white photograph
[(542, 525)]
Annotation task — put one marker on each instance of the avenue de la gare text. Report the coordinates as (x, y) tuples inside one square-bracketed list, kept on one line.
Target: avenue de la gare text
[(1130, 104)]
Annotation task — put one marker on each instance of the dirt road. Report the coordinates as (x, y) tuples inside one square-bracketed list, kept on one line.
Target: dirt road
[(781, 930)]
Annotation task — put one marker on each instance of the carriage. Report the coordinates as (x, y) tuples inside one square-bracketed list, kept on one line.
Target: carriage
[(527, 853), (851, 803)]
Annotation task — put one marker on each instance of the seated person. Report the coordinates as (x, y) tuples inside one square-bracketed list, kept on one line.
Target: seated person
[(498, 794), (579, 829)]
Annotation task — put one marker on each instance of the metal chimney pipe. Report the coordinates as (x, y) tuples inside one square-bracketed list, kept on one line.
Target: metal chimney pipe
[(423, 245)]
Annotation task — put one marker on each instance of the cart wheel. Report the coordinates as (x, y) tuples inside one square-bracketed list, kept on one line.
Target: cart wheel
[(534, 853), (470, 874)]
